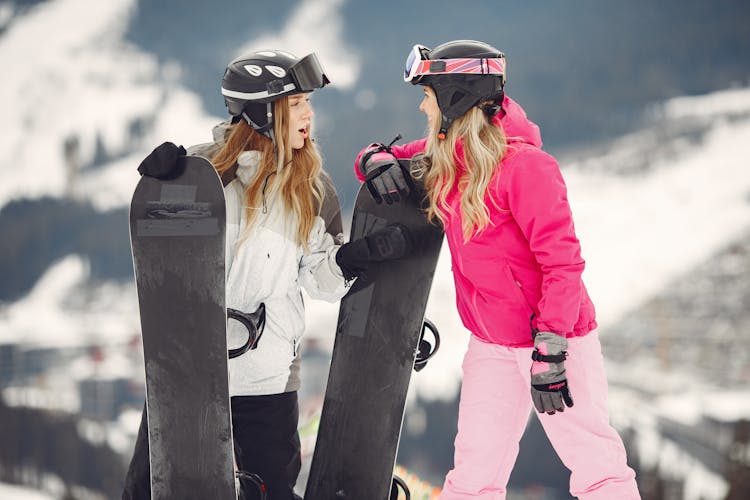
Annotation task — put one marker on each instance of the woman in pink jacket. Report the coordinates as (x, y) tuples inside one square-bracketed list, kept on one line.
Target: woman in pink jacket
[(517, 267)]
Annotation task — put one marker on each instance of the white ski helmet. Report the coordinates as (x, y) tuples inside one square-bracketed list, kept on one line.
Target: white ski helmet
[(252, 83)]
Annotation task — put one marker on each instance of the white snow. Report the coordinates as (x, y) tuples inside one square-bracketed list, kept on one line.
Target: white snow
[(700, 483), (61, 311), (6, 13), (86, 84), (10, 492), (638, 233)]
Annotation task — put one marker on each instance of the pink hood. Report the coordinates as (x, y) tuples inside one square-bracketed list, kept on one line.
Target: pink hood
[(524, 270), (517, 127)]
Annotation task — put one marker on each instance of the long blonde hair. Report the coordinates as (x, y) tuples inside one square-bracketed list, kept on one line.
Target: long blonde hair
[(484, 146), (294, 173)]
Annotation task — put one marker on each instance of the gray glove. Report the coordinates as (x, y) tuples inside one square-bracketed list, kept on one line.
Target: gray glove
[(549, 385), (383, 174)]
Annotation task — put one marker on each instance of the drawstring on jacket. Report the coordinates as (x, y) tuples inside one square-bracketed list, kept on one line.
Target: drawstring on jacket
[(265, 184)]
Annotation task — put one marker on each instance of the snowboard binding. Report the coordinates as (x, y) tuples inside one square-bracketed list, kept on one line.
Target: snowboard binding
[(254, 322), (426, 349), (395, 485), (253, 479)]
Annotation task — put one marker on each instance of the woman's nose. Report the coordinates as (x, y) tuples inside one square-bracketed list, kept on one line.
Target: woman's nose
[(308, 111)]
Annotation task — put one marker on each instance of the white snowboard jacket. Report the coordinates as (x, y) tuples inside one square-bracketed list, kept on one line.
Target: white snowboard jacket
[(267, 265)]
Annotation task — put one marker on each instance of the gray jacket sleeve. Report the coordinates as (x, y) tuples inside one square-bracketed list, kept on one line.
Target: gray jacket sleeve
[(330, 212)]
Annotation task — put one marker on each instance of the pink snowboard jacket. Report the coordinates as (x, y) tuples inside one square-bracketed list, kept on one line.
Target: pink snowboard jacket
[(524, 270)]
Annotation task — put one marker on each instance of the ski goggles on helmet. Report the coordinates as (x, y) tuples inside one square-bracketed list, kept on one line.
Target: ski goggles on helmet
[(418, 65), (307, 74)]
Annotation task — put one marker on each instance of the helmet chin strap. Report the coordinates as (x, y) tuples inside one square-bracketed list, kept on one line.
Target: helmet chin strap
[(445, 123)]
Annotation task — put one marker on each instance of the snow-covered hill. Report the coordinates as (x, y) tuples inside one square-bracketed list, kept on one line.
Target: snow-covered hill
[(84, 100), (638, 232), (84, 110), (9, 492), (651, 208), (648, 207)]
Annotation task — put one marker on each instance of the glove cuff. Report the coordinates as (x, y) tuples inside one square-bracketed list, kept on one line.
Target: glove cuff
[(374, 152)]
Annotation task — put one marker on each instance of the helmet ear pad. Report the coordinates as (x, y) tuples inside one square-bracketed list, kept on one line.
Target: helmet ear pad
[(258, 113), (457, 94)]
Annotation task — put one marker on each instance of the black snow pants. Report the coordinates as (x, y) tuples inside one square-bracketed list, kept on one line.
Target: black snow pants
[(266, 443)]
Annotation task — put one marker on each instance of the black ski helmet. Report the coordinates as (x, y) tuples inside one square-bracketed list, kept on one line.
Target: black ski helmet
[(252, 83), (462, 73)]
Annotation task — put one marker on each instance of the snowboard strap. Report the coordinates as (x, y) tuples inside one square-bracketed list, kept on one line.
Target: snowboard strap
[(255, 480), (254, 322), (395, 485), (426, 350)]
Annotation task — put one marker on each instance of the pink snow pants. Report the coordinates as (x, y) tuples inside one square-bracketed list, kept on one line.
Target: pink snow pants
[(494, 409)]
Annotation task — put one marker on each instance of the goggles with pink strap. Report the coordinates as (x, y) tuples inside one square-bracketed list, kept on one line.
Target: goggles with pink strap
[(418, 65)]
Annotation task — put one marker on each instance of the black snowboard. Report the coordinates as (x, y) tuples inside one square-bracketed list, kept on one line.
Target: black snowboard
[(379, 326), (177, 230)]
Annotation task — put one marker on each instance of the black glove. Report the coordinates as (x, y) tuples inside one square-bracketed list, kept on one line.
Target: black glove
[(385, 177), (162, 161), (391, 242), (549, 384)]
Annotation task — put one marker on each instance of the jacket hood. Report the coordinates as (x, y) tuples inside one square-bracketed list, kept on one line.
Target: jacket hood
[(248, 162), (220, 132), (518, 128)]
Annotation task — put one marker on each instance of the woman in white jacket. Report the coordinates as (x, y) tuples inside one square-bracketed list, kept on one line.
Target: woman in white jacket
[(284, 233)]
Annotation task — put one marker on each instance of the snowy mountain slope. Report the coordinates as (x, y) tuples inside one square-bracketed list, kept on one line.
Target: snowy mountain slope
[(690, 329), (650, 206), (89, 107), (638, 233), (10, 492), (640, 227), (678, 382), (64, 309), (85, 90)]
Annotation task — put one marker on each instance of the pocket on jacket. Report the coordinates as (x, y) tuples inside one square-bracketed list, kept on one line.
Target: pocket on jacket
[(516, 286)]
